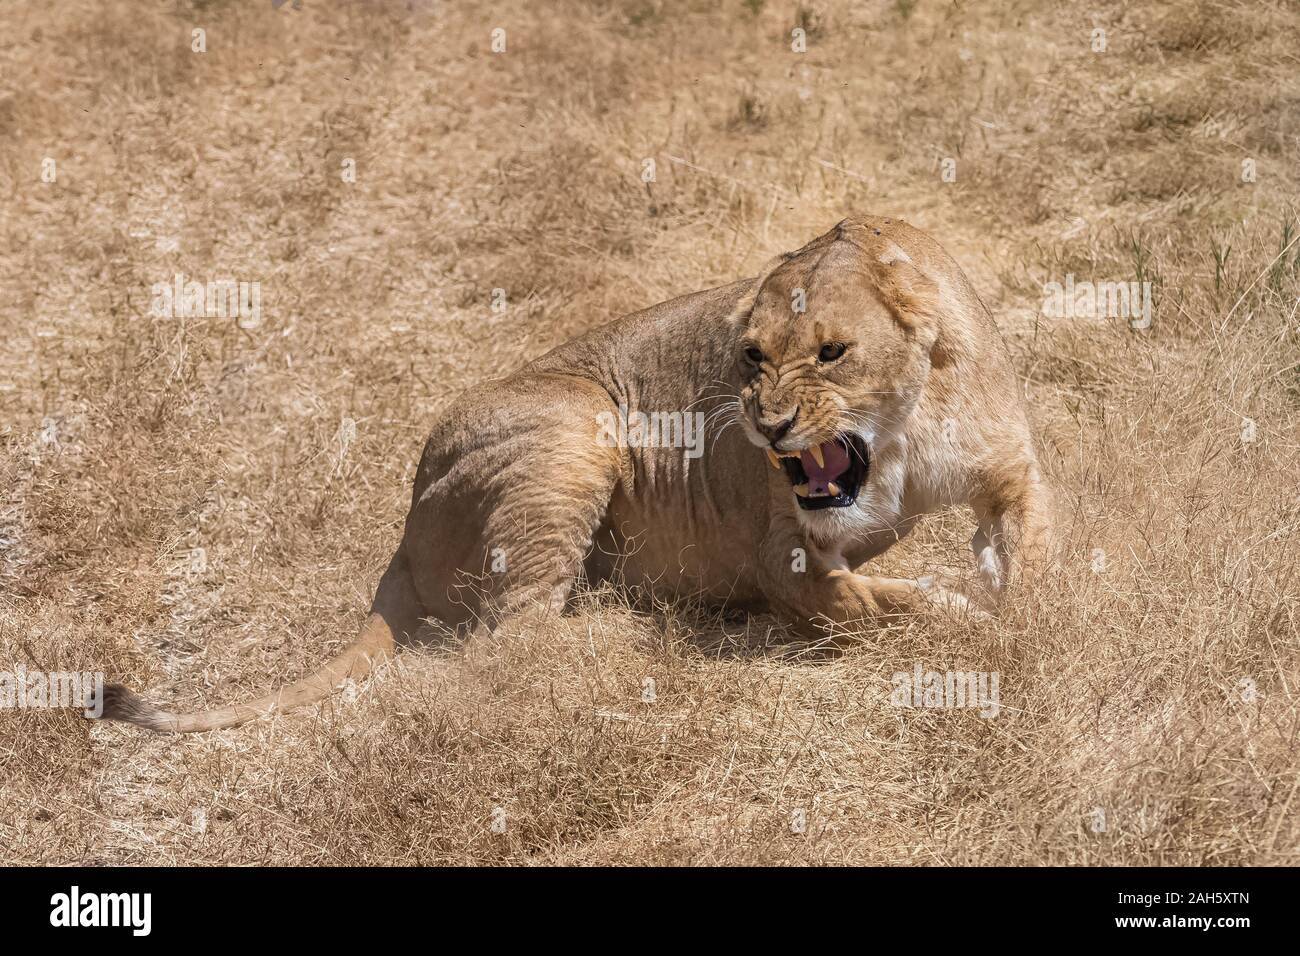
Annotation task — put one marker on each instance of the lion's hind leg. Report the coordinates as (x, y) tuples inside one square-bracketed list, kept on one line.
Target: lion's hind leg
[(519, 493)]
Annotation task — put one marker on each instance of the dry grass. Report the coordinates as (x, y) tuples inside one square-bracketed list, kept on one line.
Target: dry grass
[(1121, 690)]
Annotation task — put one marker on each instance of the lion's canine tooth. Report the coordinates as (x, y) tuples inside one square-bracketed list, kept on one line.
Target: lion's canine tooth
[(776, 462), (833, 488), (816, 452), (801, 490)]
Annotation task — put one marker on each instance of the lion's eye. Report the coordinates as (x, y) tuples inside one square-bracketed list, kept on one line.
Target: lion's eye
[(831, 351), (754, 354)]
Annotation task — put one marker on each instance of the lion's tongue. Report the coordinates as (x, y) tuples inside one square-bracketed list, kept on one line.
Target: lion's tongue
[(837, 462)]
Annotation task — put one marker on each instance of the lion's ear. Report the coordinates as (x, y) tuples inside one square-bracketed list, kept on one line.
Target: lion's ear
[(745, 304), (908, 292)]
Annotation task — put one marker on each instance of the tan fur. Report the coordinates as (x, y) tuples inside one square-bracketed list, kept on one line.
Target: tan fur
[(516, 493)]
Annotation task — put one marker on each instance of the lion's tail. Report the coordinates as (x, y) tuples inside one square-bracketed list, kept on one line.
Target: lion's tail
[(396, 610)]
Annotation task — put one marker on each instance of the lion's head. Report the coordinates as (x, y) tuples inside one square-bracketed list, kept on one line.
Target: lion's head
[(833, 354)]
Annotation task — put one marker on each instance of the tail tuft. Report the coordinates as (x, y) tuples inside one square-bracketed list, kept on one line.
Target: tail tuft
[(121, 703)]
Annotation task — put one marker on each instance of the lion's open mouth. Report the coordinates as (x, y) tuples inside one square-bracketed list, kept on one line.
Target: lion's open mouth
[(828, 475)]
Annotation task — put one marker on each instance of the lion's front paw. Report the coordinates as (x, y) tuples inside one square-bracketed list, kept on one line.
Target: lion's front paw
[(852, 598), (950, 601)]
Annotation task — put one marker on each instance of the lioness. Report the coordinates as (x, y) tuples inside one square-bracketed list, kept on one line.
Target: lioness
[(869, 386)]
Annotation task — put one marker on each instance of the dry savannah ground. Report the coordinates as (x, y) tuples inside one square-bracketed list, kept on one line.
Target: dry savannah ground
[(201, 509)]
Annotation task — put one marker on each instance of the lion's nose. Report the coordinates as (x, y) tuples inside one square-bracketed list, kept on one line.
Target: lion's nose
[(774, 427)]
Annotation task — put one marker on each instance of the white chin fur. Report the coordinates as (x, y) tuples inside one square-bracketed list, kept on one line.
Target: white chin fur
[(835, 524), (751, 432)]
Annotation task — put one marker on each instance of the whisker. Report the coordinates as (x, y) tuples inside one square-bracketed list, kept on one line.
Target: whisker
[(707, 398), (720, 433), (731, 408)]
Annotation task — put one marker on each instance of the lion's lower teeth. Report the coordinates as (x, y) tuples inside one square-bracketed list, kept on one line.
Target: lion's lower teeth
[(804, 491)]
